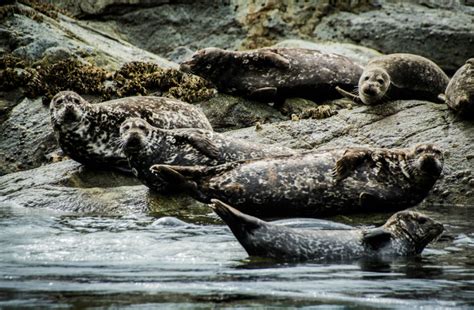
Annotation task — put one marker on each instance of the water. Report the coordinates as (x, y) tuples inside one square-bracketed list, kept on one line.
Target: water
[(61, 260)]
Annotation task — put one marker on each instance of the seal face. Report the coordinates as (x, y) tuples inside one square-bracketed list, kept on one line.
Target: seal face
[(89, 133), (273, 74), (459, 94), (145, 145), (400, 76), (405, 234), (316, 184)]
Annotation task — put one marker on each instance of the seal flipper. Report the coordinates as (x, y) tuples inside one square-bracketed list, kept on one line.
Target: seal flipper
[(202, 144), (264, 94), (175, 179), (369, 201), (376, 238), (349, 161), (348, 95), (275, 59)]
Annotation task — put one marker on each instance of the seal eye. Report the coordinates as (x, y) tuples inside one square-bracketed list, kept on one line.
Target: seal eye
[(141, 127), (419, 150), (422, 220), (366, 78), (380, 81), (59, 101), (75, 101), (126, 127)]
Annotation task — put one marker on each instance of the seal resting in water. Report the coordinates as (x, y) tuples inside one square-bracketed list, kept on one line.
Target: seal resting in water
[(399, 76), (316, 184), (145, 145), (405, 234), (459, 94), (89, 133), (273, 74)]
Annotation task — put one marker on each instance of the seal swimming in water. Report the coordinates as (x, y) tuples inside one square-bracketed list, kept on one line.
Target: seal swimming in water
[(89, 133), (405, 234), (459, 94), (273, 74), (145, 145), (316, 184), (399, 76)]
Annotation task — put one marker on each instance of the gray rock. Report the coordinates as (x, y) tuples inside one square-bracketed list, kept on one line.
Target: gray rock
[(226, 112), (392, 125), (356, 53), (445, 36), (69, 186)]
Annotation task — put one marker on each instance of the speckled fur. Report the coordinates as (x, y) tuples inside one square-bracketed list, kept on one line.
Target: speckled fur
[(460, 91), (89, 133), (309, 184), (145, 145), (405, 234), (401, 76), (294, 72)]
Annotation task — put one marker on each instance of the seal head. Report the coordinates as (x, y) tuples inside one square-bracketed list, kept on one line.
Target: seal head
[(67, 109), (427, 160), (373, 85), (204, 61), (135, 134)]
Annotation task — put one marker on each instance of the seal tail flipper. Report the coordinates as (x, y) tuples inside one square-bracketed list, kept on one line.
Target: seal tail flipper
[(348, 95), (264, 94), (239, 223)]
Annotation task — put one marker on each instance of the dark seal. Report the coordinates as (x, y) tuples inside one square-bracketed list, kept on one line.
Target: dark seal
[(459, 94), (145, 145), (273, 74), (399, 76), (405, 234), (89, 133), (316, 184)]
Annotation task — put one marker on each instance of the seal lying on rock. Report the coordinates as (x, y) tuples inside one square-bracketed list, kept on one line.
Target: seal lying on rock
[(405, 234), (273, 74), (145, 145), (89, 133), (459, 94), (399, 76), (316, 184)]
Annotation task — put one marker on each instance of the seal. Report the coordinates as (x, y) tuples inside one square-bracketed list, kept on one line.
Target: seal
[(89, 133), (316, 184), (405, 234), (459, 94), (399, 76), (273, 74), (145, 145)]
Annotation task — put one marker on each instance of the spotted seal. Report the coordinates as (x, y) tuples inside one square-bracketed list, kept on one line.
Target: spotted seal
[(459, 94), (405, 234), (89, 133), (273, 74), (316, 184), (399, 76), (145, 145)]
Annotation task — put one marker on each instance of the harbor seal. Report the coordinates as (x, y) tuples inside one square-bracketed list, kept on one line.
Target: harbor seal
[(399, 76), (459, 94), (145, 145), (273, 74), (89, 133), (316, 184), (405, 234)]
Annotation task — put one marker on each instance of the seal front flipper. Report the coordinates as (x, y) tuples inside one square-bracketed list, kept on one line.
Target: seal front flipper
[(370, 201), (201, 143), (376, 238), (172, 177), (350, 160), (348, 95), (274, 59), (264, 93)]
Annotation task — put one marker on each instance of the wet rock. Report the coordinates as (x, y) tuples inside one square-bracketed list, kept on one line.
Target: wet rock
[(356, 53), (226, 112), (69, 186), (395, 124), (444, 35)]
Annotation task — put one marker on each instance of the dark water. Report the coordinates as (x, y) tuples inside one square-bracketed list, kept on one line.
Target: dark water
[(51, 259)]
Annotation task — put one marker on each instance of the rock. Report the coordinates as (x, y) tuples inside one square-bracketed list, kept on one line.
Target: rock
[(26, 137), (356, 53), (226, 112), (445, 36), (69, 186), (392, 125), (180, 54)]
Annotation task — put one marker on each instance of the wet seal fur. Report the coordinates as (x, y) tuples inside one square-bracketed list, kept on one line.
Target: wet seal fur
[(399, 76), (405, 234), (316, 184), (89, 133), (145, 145), (273, 74), (459, 94)]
